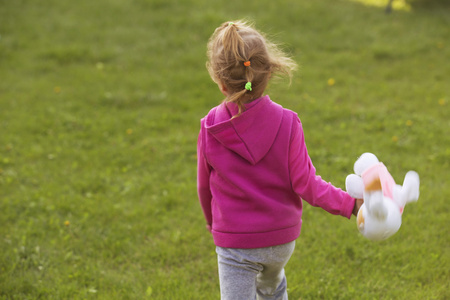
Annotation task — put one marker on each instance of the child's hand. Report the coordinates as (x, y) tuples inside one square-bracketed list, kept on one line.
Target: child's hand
[(358, 203), (208, 226)]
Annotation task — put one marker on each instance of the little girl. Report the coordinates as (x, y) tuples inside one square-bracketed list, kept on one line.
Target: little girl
[(254, 169)]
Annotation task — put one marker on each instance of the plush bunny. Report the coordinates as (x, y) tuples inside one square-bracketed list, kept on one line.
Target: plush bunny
[(381, 214)]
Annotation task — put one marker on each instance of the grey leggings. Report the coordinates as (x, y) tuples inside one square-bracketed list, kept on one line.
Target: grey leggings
[(249, 274)]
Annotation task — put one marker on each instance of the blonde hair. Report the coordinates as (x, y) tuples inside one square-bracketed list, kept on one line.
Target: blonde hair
[(235, 43)]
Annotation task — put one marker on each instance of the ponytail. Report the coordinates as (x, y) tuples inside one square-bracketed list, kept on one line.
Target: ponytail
[(233, 44)]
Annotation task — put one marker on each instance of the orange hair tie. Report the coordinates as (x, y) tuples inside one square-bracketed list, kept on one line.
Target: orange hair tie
[(247, 63)]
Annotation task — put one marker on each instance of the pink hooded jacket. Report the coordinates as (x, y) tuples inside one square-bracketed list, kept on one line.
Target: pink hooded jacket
[(253, 172)]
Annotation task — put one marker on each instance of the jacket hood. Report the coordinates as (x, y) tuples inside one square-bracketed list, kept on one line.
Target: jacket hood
[(250, 135)]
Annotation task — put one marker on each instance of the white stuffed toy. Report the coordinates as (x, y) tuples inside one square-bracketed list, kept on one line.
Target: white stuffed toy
[(381, 214)]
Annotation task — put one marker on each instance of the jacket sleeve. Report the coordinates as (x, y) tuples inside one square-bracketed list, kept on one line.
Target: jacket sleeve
[(203, 172), (309, 186)]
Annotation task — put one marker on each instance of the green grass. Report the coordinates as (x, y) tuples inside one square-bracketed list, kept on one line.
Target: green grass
[(100, 104)]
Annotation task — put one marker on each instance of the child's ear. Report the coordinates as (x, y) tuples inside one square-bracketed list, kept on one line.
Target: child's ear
[(223, 89)]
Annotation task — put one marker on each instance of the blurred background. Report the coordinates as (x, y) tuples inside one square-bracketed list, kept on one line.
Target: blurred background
[(100, 103)]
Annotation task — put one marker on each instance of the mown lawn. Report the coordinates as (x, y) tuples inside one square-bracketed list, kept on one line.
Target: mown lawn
[(100, 104)]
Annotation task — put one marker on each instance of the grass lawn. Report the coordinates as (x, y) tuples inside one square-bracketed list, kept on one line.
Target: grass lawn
[(100, 104)]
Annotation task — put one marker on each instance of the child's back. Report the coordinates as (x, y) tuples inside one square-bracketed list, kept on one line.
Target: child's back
[(257, 169)]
